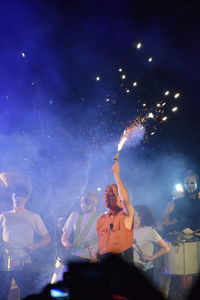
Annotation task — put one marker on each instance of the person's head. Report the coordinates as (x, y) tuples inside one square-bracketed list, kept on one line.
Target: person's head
[(111, 197), (89, 202), (190, 181), (20, 196), (143, 216)]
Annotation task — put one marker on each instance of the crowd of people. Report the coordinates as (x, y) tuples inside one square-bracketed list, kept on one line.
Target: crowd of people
[(124, 242)]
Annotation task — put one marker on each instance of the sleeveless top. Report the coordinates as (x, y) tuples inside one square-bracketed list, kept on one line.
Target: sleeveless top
[(113, 236)]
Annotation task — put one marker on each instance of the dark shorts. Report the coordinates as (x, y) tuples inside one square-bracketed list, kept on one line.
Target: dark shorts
[(127, 255)]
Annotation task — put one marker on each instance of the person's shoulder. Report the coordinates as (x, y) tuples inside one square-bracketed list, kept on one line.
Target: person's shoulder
[(74, 214), (150, 229), (73, 217), (103, 216), (6, 213), (98, 214), (153, 231)]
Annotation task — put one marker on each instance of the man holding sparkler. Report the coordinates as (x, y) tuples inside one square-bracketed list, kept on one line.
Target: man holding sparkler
[(115, 228)]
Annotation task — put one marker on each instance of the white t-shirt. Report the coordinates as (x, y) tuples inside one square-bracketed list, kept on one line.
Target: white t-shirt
[(19, 229), (146, 238)]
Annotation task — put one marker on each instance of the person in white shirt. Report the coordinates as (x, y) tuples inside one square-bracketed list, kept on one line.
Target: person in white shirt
[(19, 227), (146, 238)]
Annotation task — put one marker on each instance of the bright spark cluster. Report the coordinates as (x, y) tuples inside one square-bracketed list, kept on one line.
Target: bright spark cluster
[(158, 112)]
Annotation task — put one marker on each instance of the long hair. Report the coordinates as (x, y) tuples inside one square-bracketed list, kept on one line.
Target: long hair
[(146, 216)]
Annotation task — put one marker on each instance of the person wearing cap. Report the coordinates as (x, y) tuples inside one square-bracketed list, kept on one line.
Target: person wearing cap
[(19, 227), (79, 232)]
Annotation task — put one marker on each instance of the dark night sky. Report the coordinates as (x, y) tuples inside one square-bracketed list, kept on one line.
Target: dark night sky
[(54, 117)]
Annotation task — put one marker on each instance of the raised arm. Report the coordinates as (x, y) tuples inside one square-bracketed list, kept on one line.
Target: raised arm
[(123, 195), (167, 212)]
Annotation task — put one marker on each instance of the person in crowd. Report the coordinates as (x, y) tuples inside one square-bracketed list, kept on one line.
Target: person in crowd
[(79, 236), (181, 221), (19, 228), (183, 212), (79, 232), (148, 244), (115, 227)]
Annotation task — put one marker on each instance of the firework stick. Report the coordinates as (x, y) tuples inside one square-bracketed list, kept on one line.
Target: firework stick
[(116, 157)]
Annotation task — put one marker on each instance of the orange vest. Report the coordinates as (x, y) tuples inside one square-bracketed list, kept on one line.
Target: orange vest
[(113, 236)]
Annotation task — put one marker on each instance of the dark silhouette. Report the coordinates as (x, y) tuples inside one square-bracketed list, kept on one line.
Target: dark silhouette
[(111, 279)]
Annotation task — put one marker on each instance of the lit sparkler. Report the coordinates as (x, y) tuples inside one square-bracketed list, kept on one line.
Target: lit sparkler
[(133, 133)]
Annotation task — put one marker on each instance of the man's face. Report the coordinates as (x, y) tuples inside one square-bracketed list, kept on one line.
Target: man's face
[(111, 197), (88, 203), (190, 184), (19, 200)]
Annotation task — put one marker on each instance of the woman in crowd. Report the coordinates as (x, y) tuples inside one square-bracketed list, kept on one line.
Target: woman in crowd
[(148, 244)]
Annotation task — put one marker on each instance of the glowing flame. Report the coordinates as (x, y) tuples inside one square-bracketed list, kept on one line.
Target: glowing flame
[(3, 179), (134, 133), (121, 143)]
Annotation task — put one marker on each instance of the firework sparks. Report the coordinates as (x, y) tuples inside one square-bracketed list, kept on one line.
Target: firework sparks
[(133, 134), (177, 95), (139, 45), (121, 143), (3, 179), (152, 111), (175, 108)]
